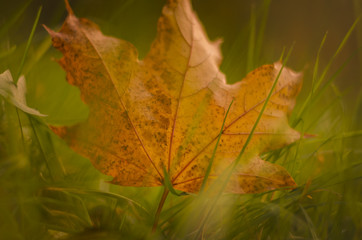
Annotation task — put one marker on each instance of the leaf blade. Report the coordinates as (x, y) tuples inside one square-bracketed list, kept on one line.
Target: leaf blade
[(143, 112)]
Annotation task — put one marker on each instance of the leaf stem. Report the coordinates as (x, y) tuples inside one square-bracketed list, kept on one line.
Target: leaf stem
[(159, 209)]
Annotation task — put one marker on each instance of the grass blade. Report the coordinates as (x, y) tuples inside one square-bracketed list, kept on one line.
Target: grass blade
[(317, 84), (309, 223), (261, 112), (208, 170), (28, 45)]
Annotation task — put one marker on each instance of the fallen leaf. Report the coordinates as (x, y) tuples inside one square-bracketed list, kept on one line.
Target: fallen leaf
[(14, 93), (165, 111)]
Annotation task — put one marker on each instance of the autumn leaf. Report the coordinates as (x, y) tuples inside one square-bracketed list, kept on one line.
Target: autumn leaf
[(165, 111)]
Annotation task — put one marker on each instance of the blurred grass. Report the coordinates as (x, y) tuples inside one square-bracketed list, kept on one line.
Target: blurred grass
[(49, 192)]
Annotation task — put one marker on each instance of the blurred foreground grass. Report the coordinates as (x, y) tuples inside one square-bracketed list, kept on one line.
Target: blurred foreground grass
[(49, 192)]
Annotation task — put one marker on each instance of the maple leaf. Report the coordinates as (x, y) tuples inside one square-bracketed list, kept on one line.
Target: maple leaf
[(165, 111)]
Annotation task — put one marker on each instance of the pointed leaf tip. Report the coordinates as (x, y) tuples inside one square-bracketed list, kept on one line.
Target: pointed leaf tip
[(51, 32), (68, 7)]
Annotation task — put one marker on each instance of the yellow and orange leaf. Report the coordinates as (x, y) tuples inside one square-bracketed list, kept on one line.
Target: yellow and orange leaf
[(165, 111)]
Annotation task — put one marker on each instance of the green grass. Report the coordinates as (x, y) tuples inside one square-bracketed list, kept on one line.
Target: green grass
[(49, 192)]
